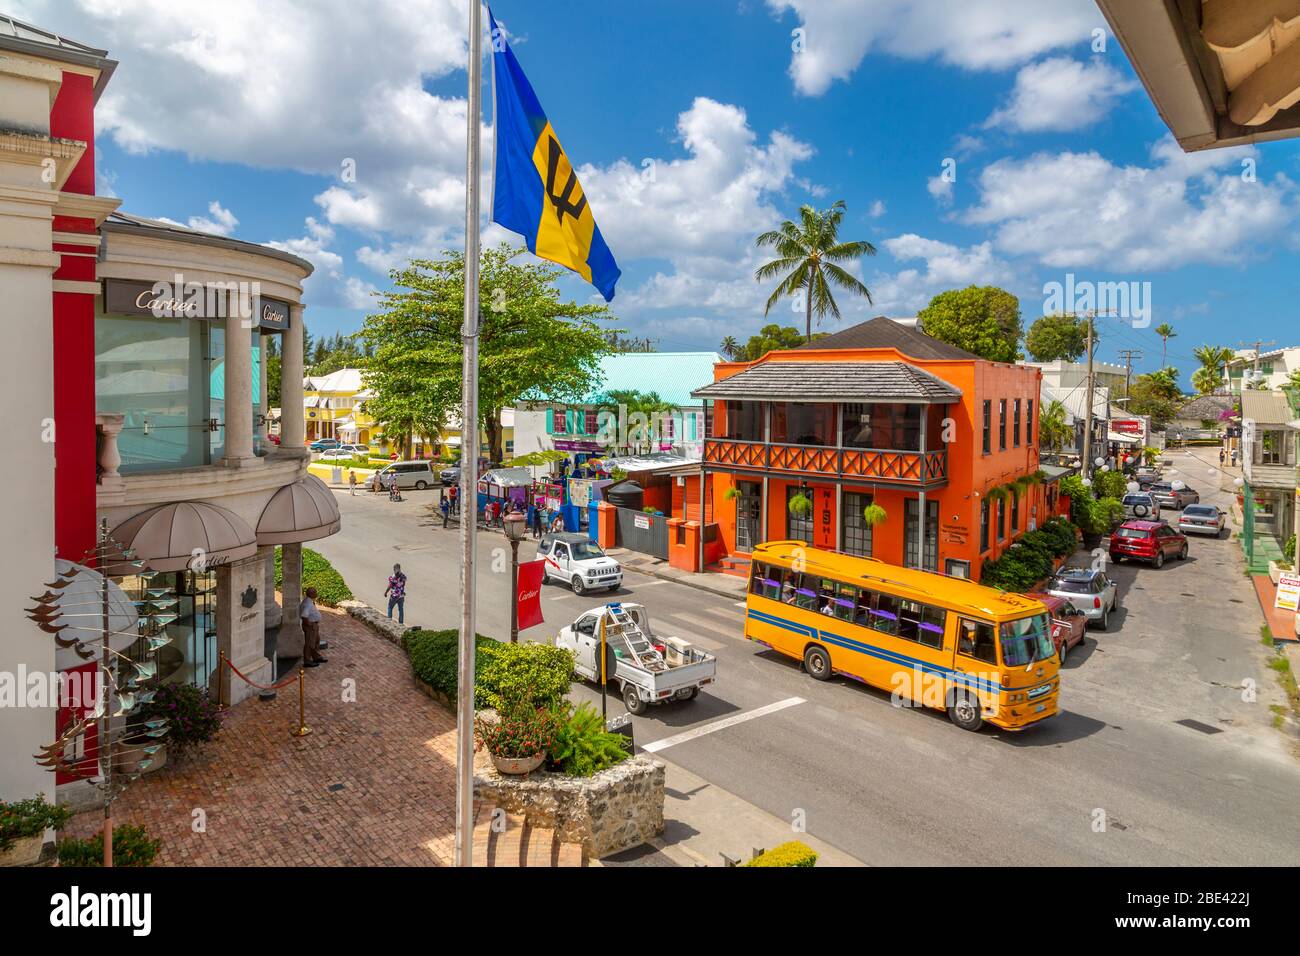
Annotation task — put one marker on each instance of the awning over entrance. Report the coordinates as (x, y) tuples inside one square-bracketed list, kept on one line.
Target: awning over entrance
[(186, 535), (1120, 438), (302, 511)]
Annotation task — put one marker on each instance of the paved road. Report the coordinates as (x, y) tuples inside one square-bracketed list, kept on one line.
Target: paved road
[(892, 786)]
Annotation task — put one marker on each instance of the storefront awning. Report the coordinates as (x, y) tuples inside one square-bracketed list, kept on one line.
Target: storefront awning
[(1121, 439), (186, 535), (303, 511)]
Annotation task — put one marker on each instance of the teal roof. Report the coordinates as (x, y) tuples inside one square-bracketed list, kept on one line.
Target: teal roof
[(672, 375)]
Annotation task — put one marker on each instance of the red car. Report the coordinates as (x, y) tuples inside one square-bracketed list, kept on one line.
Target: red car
[(1150, 541), (1069, 624)]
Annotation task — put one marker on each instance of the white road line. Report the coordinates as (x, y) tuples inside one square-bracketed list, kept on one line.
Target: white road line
[(723, 612), (650, 584), (693, 620), (658, 745)]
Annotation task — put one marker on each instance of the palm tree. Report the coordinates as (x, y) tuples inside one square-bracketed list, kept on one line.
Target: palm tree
[(808, 254), (1207, 378), (1166, 332), (1053, 430), (729, 347)]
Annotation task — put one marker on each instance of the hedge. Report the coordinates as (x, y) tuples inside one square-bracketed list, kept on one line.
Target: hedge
[(793, 853), (318, 573), (1031, 558), (131, 847), (538, 671)]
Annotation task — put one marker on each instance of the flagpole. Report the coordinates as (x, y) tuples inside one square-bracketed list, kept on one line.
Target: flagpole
[(469, 453)]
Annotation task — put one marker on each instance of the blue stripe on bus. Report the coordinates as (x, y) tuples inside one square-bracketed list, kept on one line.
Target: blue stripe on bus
[(873, 650)]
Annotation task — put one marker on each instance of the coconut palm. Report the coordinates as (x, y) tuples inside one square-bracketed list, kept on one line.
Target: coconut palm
[(1208, 378), (1053, 430), (1166, 332), (808, 256), (729, 347)]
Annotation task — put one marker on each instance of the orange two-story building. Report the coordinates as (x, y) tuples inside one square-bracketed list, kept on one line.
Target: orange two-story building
[(876, 414)]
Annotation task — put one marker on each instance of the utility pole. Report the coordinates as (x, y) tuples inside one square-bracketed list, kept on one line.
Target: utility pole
[(1259, 345), (1090, 317), (1128, 355)]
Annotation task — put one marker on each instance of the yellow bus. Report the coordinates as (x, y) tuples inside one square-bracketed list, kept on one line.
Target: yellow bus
[(980, 654)]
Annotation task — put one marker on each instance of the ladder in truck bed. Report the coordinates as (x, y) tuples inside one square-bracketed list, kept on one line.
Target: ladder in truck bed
[(621, 629)]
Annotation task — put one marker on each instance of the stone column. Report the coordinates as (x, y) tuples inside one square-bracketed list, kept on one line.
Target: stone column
[(292, 423), (239, 384), (290, 641), (264, 402), (240, 630)]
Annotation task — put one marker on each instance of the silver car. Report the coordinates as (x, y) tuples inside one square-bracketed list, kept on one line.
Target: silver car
[(1170, 497), (1091, 592), (1142, 505), (1202, 519)]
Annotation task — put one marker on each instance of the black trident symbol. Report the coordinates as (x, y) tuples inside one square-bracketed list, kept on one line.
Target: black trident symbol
[(561, 201)]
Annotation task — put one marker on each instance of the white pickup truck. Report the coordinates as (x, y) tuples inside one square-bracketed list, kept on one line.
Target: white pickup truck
[(645, 668)]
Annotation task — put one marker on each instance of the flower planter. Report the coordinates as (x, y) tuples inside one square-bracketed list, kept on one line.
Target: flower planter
[(24, 852), (517, 765)]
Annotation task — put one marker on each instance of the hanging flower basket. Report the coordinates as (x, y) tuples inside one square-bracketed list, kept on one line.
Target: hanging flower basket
[(873, 515), (731, 494), (800, 504)]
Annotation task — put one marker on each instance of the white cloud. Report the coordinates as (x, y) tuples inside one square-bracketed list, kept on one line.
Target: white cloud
[(940, 188), (973, 34), (219, 221), (1075, 210), (877, 209), (946, 267), (1061, 94)]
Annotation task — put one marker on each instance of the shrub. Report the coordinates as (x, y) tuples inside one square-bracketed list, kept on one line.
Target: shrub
[(1288, 549), (29, 818), (520, 730), (793, 853), (192, 716), (1109, 484), (582, 746), (318, 573), (1108, 514), (434, 657), (536, 673), (131, 847)]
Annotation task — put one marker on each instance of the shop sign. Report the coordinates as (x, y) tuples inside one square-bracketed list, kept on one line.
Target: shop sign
[(641, 521), (178, 299), (1288, 592)]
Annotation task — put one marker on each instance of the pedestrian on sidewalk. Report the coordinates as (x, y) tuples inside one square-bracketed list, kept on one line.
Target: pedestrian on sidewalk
[(1222, 455), (455, 499), (1234, 458), (537, 517), (352, 482), (396, 594), (310, 615), (445, 507)]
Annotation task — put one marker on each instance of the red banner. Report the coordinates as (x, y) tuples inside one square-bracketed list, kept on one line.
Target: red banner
[(530, 594)]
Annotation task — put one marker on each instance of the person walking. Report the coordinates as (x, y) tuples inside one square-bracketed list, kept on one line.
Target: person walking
[(536, 516), (1234, 458), (1222, 456), (396, 594), (310, 615), (352, 482), (455, 499), (445, 507)]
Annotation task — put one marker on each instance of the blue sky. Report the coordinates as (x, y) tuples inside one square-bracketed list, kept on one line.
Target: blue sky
[(1062, 165)]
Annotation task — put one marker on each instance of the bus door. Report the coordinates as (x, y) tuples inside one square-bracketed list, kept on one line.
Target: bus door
[(976, 657)]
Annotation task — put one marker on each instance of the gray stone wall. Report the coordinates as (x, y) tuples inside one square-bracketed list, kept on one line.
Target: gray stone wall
[(612, 811)]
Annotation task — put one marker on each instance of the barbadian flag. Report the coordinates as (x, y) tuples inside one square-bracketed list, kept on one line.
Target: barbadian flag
[(536, 193)]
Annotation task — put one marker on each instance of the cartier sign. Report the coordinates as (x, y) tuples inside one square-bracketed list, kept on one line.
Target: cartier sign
[(177, 299)]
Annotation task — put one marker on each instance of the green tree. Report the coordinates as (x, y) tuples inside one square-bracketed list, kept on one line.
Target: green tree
[(648, 404), (1053, 429), (530, 342), (984, 320), (1166, 332), (771, 338), (1156, 394), (729, 347), (1057, 337), (1209, 377), (807, 257)]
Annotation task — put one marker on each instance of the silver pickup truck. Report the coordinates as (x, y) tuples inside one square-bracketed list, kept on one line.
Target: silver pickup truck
[(645, 668)]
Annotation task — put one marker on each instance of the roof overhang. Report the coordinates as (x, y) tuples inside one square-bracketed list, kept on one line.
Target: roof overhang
[(1219, 72), (787, 381)]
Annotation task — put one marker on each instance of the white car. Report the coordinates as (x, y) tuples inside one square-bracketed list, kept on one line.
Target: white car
[(407, 474), (1202, 519), (579, 562)]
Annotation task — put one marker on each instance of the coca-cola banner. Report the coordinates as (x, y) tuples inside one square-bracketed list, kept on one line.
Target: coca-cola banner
[(530, 594)]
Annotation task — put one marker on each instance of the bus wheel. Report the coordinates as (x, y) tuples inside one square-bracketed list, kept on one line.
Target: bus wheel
[(964, 711), (817, 663)]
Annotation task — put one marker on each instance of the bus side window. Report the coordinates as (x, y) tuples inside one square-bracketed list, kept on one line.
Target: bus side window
[(866, 604), (845, 602), (975, 639), (789, 584), (909, 620), (826, 597), (933, 620), (759, 572), (885, 614), (805, 593)]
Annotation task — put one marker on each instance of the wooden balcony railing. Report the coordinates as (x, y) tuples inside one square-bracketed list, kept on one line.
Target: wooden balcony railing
[(871, 464)]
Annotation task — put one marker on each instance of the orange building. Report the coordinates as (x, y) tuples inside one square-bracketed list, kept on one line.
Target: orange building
[(878, 414)]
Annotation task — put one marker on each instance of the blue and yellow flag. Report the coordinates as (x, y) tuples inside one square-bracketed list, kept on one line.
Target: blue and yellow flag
[(536, 192)]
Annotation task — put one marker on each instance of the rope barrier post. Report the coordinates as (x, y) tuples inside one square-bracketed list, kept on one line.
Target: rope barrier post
[(303, 730), (221, 681)]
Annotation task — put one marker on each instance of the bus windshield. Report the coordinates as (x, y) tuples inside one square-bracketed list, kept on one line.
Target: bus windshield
[(1026, 641)]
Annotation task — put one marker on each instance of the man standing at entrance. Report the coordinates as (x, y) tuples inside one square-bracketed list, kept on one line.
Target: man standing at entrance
[(310, 615), (396, 594)]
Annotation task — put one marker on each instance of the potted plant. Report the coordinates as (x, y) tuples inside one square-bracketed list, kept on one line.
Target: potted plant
[(731, 494), (520, 737), (800, 504), (22, 829), (192, 716), (873, 514)]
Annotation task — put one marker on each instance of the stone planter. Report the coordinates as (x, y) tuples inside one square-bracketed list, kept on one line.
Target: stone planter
[(612, 811), (517, 765), (24, 852)]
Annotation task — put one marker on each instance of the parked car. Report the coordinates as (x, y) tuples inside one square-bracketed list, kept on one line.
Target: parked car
[(1146, 477), (408, 474), (450, 475), (579, 562), (1142, 504), (324, 444), (337, 454), (1069, 624), (1202, 519), (1091, 592), (1170, 497), (358, 451), (1151, 541)]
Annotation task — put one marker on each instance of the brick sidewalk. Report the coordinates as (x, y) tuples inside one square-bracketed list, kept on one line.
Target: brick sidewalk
[(372, 785)]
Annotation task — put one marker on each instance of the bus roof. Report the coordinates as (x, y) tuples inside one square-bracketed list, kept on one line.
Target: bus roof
[(955, 593)]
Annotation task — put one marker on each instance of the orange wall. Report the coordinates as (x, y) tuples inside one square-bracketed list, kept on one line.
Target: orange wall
[(971, 472)]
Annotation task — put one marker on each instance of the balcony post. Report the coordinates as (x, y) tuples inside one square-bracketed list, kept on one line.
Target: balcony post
[(920, 517), (292, 418)]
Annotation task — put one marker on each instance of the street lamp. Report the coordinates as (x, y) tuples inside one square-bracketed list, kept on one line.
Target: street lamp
[(516, 527)]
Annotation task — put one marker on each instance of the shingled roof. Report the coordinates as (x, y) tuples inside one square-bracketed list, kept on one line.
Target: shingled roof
[(832, 382), (884, 333)]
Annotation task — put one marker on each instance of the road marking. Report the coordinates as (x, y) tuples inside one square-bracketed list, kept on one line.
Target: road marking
[(650, 584), (658, 745), (723, 612), (691, 620)]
